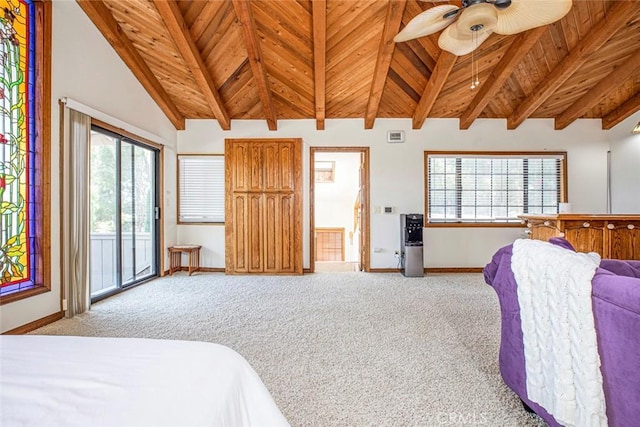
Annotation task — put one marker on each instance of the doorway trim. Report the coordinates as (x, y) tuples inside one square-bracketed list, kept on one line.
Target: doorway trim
[(364, 243)]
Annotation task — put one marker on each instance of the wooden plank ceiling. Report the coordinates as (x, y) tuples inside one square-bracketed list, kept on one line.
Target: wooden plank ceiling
[(324, 59)]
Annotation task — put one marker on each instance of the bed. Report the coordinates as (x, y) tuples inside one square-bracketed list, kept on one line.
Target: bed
[(82, 381)]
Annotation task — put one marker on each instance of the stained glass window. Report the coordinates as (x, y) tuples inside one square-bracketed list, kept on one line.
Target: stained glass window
[(17, 152)]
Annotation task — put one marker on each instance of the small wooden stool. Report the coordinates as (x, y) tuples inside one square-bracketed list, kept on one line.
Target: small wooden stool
[(175, 257)]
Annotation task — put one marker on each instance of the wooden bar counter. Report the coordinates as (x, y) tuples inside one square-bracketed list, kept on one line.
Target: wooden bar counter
[(612, 236)]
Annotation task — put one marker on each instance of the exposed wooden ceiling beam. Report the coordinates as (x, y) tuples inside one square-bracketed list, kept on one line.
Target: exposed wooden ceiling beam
[(620, 13), (599, 91), (622, 112), (251, 42), (320, 58), (521, 45), (179, 32), (413, 9), (102, 18), (434, 87), (395, 10)]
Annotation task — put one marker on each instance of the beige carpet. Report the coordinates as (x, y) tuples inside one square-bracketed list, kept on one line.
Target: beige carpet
[(337, 349)]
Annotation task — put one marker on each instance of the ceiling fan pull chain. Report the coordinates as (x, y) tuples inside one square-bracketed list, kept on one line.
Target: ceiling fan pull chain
[(473, 86), (474, 71), (477, 67)]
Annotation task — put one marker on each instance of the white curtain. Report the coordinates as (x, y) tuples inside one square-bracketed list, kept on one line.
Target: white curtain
[(76, 269)]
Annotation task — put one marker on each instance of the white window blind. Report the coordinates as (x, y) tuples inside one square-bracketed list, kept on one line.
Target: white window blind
[(201, 188), (494, 188)]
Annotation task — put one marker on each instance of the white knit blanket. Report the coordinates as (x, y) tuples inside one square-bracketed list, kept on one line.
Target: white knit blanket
[(560, 347)]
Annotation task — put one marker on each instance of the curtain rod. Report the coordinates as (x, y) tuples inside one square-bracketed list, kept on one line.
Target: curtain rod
[(78, 106)]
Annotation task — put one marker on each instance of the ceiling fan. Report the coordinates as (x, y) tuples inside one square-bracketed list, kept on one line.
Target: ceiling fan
[(477, 19)]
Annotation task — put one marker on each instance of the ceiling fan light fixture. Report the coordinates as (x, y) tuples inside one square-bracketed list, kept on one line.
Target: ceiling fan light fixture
[(502, 4), (478, 18), (636, 129), (460, 44)]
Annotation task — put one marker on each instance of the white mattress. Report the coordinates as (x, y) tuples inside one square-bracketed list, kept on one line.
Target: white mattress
[(80, 381)]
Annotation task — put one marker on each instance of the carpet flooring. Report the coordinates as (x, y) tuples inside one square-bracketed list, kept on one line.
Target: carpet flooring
[(336, 349)]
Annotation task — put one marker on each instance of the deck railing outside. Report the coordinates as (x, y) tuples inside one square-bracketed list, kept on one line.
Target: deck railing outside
[(104, 264)]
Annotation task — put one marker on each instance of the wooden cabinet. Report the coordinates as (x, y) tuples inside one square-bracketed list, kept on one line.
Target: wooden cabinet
[(264, 206), (329, 244), (611, 236), (262, 166)]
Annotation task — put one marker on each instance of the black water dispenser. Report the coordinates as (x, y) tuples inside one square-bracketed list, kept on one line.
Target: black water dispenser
[(411, 250)]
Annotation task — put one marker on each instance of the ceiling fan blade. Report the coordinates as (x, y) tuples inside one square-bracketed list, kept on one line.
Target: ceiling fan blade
[(460, 44), (524, 15), (428, 22)]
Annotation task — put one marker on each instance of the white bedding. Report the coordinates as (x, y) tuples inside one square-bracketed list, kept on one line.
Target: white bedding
[(80, 381), (560, 345)]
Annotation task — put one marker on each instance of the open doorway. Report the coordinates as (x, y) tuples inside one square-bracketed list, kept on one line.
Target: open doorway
[(339, 191)]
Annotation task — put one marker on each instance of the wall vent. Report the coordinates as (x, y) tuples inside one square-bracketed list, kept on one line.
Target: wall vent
[(395, 136)]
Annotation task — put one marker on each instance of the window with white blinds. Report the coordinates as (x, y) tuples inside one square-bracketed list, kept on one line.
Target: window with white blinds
[(201, 188), (475, 187)]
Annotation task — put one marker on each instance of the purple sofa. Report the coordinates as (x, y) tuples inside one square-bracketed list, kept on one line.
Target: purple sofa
[(616, 307)]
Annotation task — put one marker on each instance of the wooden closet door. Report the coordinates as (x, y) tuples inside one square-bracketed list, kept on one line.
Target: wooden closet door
[(237, 157), (263, 233), (272, 233), (279, 235), (271, 157), (239, 217), (288, 234), (279, 166), (255, 230), (256, 167), (287, 167)]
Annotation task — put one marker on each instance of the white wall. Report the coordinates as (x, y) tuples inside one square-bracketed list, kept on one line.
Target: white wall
[(625, 167), (334, 201), (397, 176), (86, 69)]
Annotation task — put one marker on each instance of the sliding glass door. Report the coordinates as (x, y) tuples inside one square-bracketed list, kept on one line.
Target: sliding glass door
[(124, 214)]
